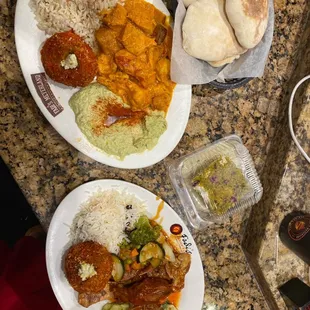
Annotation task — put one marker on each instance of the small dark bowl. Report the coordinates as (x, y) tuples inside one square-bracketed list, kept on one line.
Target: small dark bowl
[(231, 83)]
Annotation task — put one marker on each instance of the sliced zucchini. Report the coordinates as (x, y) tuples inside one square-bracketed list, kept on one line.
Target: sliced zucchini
[(107, 306), (119, 307), (113, 306), (168, 307), (169, 255), (151, 250), (118, 269), (155, 262)]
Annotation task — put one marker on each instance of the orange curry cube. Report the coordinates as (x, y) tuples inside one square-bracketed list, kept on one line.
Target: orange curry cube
[(162, 101), (108, 40), (146, 77), (139, 97), (106, 65), (162, 95), (160, 17), (116, 83), (136, 66), (116, 17), (135, 41), (142, 14), (124, 61), (163, 69), (155, 53)]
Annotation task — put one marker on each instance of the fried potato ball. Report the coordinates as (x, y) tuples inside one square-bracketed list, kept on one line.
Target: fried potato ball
[(88, 267)]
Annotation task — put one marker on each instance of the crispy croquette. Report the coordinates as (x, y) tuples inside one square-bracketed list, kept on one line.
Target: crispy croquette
[(88, 267)]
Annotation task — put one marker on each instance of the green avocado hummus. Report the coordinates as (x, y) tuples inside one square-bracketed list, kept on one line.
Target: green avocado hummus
[(123, 136)]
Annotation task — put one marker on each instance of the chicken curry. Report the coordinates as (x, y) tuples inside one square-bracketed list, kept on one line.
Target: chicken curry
[(134, 63)]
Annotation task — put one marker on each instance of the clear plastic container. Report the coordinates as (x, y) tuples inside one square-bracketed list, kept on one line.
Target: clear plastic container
[(216, 181)]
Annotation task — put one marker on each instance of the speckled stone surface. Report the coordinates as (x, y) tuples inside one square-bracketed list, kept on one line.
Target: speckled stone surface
[(286, 181), (47, 168)]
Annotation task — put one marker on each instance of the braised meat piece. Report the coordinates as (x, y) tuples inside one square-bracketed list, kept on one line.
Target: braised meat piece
[(174, 272), (178, 270), (133, 276), (159, 272), (148, 291), (88, 299)]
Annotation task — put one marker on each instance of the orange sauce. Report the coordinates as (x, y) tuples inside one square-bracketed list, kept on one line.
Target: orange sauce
[(174, 298), (159, 209), (110, 107), (131, 117)]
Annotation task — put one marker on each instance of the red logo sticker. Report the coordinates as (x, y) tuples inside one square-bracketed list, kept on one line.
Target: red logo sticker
[(299, 227), (176, 229)]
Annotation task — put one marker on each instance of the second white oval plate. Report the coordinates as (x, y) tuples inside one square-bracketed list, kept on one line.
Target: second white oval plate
[(28, 43), (58, 242)]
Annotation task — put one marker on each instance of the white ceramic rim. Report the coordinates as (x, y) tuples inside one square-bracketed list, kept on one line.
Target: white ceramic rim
[(58, 241), (28, 40)]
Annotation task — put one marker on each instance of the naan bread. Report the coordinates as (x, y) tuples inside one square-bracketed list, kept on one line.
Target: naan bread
[(187, 3), (207, 34), (223, 62), (249, 18)]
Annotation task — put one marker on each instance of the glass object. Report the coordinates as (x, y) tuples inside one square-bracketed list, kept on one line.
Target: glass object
[(216, 181)]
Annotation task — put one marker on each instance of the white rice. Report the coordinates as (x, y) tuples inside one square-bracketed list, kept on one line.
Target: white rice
[(62, 15), (104, 217)]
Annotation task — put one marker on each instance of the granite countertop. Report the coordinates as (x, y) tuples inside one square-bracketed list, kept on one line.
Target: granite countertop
[(47, 168)]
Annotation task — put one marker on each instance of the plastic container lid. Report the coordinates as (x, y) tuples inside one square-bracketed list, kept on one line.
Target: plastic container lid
[(216, 181)]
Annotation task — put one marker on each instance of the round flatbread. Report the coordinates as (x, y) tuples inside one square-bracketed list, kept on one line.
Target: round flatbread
[(88, 267), (187, 3), (249, 18), (207, 34), (223, 62)]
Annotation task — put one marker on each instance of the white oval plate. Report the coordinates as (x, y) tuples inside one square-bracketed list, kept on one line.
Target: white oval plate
[(29, 39), (58, 242)]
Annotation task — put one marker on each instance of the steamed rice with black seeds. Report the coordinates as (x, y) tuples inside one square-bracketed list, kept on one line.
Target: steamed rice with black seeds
[(105, 217)]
